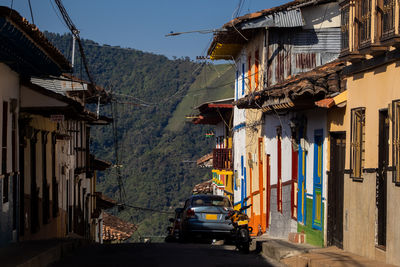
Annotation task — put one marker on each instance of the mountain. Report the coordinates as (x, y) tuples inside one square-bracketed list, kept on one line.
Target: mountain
[(157, 148)]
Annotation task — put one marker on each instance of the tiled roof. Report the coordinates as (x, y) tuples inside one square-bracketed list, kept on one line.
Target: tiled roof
[(232, 34), (321, 81), (203, 188), (115, 229), (206, 160), (37, 36)]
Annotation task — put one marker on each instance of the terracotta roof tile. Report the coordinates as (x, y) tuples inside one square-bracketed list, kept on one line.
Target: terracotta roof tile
[(36, 35), (115, 229)]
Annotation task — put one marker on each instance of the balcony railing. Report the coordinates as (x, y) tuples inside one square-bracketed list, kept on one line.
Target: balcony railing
[(222, 159)]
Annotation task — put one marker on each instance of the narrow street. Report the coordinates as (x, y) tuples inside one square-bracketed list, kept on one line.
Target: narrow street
[(161, 254)]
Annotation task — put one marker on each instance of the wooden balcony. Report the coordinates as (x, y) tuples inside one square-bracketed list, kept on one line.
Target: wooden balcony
[(222, 159)]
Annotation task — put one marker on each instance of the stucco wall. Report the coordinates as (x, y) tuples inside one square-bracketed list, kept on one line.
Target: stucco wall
[(373, 90), (9, 89), (239, 152)]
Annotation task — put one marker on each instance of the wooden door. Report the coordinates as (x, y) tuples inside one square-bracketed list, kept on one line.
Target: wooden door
[(335, 189), (381, 178), (318, 177), (301, 196)]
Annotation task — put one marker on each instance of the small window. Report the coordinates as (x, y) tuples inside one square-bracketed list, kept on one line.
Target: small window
[(6, 187), (396, 142), (364, 22), (4, 138), (345, 11), (357, 147), (388, 14)]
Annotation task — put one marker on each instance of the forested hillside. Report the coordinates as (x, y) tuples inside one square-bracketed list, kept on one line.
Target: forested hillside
[(156, 147)]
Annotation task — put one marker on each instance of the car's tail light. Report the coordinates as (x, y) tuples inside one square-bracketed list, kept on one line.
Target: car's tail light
[(190, 213)]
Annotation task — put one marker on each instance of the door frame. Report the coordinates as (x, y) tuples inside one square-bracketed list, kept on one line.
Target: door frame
[(331, 182)]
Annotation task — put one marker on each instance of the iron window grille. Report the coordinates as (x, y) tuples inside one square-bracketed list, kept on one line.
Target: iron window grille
[(364, 22), (396, 141), (357, 146), (345, 13), (388, 17)]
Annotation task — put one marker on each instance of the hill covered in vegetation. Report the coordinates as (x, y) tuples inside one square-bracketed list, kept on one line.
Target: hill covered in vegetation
[(156, 147)]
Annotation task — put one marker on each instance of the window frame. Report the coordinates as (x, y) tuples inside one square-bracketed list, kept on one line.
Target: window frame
[(384, 10), (362, 19), (4, 154), (396, 142), (345, 26), (353, 129)]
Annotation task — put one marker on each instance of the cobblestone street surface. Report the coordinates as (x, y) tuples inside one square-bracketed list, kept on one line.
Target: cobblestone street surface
[(161, 255)]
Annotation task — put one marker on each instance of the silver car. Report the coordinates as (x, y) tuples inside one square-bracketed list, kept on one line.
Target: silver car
[(204, 216)]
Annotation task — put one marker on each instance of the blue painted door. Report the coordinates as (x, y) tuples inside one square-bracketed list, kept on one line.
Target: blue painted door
[(317, 180), (302, 192)]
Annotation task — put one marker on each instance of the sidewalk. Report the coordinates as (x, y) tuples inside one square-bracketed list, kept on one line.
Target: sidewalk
[(37, 253), (304, 255)]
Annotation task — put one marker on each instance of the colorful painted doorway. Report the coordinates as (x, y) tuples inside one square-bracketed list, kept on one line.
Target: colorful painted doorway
[(302, 193), (317, 179)]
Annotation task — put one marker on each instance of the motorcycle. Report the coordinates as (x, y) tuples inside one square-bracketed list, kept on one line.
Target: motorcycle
[(241, 229)]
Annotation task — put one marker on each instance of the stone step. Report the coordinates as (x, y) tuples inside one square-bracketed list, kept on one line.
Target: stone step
[(278, 249)]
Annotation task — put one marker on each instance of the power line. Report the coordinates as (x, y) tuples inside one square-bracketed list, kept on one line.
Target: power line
[(75, 32), (146, 209), (30, 8)]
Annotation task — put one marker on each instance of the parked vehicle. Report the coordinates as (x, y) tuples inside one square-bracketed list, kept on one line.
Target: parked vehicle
[(174, 230), (204, 216), (241, 230)]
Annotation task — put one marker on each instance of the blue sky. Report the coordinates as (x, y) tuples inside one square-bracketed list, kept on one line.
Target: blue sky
[(142, 24)]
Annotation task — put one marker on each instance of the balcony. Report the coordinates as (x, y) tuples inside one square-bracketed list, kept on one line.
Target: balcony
[(222, 159)]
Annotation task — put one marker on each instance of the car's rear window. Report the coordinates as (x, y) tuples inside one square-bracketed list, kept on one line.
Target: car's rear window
[(211, 201)]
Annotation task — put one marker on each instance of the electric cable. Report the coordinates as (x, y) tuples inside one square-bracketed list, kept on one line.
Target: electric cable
[(30, 8)]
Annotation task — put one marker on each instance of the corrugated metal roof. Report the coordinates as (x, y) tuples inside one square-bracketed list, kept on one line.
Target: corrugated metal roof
[(323, 40), (281, 19), (58, 85)]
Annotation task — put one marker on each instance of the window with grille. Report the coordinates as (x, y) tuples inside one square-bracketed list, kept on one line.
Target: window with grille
[(388, 14), (364, 22), (345, 26), (357, 147), (4, 152), (396, 141)]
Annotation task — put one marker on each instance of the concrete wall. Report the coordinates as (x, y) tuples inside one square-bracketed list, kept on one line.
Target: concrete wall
[(281, 224), (9, 89), (359, 201)]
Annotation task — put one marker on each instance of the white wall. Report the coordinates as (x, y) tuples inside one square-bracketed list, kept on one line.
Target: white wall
[(239, 150), (271, 122), (9, 89), (322, 16)]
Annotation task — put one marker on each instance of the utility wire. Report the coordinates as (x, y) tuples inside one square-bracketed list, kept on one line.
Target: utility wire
[(30, 8), (75, 32), (146, 209)]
